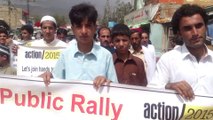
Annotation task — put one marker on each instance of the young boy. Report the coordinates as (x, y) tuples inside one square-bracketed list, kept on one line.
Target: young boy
[(129, 69), (84, 60)]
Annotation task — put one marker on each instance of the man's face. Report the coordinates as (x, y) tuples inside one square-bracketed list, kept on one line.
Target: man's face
[(2, 59), (121, 43), (135, 40), (25, 35), (144, 39), (84, 32), (61, 36), (48, 31), (3, 38), (193, 31), (104, 37)]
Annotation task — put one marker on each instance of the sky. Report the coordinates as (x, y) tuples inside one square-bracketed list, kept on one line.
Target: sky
[(61, 7)]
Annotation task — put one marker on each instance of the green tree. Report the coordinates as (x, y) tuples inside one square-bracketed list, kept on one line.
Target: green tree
[(117, 14), (61, 21), (37, 18), (107, 14), (121, 10)]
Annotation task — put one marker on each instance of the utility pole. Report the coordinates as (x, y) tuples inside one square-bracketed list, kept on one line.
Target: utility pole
[(28, 11), (9, 12)]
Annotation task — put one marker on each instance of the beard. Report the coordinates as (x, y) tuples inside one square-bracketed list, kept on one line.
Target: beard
[(135, 46)]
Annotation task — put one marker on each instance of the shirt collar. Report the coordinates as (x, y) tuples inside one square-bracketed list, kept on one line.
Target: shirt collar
[(140, 52), (51, 43), (92, 53), (185, 52), (116, 58), (209, 53)]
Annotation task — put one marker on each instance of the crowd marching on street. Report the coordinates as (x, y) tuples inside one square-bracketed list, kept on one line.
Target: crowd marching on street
[(119, 54)]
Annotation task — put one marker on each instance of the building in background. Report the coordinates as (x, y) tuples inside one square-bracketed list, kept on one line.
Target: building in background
[(158, 14), (12, 15)]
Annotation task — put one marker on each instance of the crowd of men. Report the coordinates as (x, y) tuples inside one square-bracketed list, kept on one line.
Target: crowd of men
[(122, 55)]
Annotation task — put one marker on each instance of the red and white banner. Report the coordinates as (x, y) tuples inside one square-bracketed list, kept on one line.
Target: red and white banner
[(28, 98)]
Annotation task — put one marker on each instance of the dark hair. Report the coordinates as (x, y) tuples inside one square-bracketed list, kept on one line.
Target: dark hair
[(177, 40), (144, 31), (103, 27), (28, 28), (81, 11), (136, 31), (147, 32), (4, 25), (120, 29), (2, 30), (187, 10), (62, 31)]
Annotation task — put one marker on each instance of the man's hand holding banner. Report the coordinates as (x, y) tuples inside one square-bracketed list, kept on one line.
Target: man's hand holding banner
[(28, 98)]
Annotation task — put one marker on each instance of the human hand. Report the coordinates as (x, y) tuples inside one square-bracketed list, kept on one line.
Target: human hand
[(46, 77), (99, 81), (15, 49), (183, 88)]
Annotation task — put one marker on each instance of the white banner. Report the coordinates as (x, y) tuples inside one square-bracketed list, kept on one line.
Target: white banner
[(34, 61), (28, 98)]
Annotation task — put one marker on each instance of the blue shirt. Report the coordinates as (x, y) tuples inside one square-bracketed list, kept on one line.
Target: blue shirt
[(75, 65), (210, 30), (110, 49)]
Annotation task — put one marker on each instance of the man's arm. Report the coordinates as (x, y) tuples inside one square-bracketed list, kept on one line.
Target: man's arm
[(183, 88)]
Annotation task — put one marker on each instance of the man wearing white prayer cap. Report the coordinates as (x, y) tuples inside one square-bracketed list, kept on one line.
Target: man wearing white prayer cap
[(48, 18), (48, 28)]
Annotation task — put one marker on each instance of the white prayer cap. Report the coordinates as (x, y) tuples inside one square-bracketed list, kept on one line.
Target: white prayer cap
[(48, 18)]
